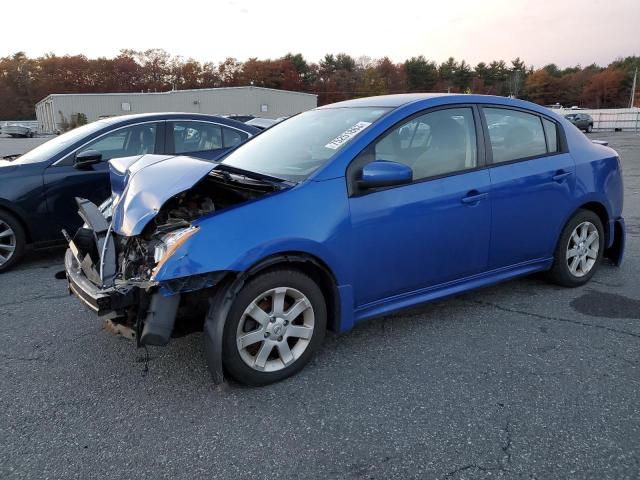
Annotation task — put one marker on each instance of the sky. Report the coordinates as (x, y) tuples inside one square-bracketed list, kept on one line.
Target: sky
[(564, 32)]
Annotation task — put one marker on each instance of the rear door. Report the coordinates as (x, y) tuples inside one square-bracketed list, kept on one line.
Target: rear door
[(532, 180), (63, 182), (197, 138)]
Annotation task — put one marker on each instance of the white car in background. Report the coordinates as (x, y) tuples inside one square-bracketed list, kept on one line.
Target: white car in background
[(18, 130)]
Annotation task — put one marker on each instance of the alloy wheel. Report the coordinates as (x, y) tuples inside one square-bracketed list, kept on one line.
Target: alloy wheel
[(275, 329), (7, 242), (582, 250)]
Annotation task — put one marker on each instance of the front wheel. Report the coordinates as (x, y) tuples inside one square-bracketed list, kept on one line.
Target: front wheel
[(275, 325), (579, 250), (589, 128)]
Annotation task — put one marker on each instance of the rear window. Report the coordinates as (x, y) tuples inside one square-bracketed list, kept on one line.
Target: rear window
[(514, 135), (232, 138), (551, 133), (193, 137)]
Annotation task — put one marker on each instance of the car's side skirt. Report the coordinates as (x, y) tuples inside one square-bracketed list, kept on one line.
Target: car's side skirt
[(425, 295)]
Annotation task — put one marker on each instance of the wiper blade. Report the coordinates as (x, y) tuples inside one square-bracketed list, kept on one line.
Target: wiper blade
[(12, 156), (221, 167)]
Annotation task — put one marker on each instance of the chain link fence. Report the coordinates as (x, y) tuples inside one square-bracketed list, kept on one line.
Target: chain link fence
[(615, 120)]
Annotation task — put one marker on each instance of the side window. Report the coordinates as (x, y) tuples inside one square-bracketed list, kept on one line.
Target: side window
[(126, 142), (551, 133), (514, 135), (190, 137), (232, 137), (433, 144)]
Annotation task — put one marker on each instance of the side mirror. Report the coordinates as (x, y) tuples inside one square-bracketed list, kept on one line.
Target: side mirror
[(383, 173), (87, 158)]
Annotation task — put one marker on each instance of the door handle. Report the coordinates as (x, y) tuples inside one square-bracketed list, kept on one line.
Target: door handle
[(474, 197), (560, 176)]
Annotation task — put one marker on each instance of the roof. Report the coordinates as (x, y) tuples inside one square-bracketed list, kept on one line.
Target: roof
[(170, 92), (175, 116), (400, 100), (392, 101), (152, 115)]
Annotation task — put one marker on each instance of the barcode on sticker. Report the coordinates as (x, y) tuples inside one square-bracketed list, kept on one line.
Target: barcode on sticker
[(347, 135)]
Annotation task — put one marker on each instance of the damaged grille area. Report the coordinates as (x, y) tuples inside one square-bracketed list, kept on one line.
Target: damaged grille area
[(120, 268)]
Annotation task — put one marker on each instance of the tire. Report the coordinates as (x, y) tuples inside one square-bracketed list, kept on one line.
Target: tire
[(12, 241), (261, 361), (589, 128), (569, 270)]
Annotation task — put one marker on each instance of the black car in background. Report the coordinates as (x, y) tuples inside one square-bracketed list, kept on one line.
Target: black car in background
[(38, 189), (581, 120)]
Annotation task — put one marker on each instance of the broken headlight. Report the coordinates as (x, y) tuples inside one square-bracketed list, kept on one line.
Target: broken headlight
[(169, 243)]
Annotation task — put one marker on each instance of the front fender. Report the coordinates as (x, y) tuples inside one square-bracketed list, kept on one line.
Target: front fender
[(312, 218)]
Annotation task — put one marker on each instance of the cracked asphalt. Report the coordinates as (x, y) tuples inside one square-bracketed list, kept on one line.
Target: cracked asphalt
[(519, 380)]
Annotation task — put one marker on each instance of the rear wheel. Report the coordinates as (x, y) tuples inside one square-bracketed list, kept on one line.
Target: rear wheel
[(274, 327), (12, 241), (589, 128), (579, 250)]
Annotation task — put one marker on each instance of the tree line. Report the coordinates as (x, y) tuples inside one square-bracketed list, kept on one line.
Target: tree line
[(24, 81)]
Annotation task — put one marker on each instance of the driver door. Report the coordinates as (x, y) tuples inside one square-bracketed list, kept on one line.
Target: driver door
[(434, 230), (63, 182)]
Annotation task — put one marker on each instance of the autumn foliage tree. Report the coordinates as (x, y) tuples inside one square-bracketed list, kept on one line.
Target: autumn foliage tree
[(24, 81), (604, 89)]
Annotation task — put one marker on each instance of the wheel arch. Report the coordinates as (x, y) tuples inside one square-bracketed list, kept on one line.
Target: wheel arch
[(221, 302), (6, 207), (613, 230), (600, 210), (310, 265)]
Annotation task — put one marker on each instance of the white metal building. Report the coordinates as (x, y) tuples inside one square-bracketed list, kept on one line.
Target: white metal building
[(57, 110)]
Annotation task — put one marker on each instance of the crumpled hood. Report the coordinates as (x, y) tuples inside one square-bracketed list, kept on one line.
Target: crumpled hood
[(142, 184), (122, 169)]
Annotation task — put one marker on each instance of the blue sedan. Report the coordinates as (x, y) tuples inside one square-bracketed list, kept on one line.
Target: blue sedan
[(37, 189), (340, 214)]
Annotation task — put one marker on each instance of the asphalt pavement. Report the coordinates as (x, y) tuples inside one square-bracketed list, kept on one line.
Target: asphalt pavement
[(520, 380), (13, 146)]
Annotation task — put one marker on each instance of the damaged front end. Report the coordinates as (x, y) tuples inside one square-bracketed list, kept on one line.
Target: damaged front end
[(113, 259)]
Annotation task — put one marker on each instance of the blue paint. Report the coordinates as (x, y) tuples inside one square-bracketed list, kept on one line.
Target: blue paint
[(403, 245)]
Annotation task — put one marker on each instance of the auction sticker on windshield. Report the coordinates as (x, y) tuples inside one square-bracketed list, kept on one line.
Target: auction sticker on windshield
[(347, 135)]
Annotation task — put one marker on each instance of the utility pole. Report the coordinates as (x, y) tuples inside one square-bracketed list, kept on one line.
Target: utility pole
[(633, 88)]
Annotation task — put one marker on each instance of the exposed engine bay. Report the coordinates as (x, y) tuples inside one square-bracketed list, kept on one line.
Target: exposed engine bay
[(137, 256)]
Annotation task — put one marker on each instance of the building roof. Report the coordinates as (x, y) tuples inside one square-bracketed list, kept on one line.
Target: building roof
[(203, 90)]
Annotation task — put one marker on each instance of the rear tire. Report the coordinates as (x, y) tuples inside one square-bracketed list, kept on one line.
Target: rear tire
[(275, 325), (579, 250), (12, 241), (589, 128)]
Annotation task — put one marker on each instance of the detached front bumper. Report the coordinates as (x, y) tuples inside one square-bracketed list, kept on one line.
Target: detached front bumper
[(150, 314), (104, 302)]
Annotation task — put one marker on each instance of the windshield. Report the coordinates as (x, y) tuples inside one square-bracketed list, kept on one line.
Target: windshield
[(57, 144), (296, 148)]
